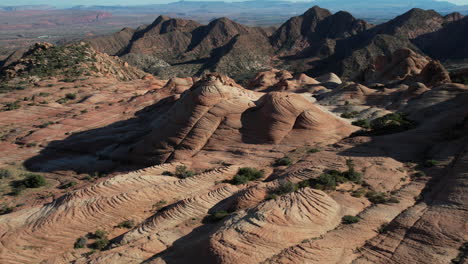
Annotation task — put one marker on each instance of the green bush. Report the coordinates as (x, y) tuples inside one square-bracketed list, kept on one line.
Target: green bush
[(100, 244), (80, 242), (313, 150), (349, 219), (285, 161), (12, 106), (5, 173), (68, 185), (331, 178), (45, 124), (285, 188), (430, 163), (34, 181), (324, 182), (160, 204), (382, 228), (30, 181), (391, 123), (126, 224), (271, 196), (364, 123), (99, 234), (246, 174), (349, 115), (352, 174), (376, 197), (358, 193), (182, 172), (388, 124), (380, 198), (70, 96), (6, 210), (219, 215)]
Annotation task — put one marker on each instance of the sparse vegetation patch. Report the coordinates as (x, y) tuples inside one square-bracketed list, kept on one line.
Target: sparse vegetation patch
[(246, 174)]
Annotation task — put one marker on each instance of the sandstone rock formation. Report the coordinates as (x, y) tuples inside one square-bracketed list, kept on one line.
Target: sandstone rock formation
[(217, 111), (404, 64)]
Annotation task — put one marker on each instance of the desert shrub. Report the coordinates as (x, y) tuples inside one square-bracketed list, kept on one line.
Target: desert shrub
[(68, 185), (349, 219), (159, 204), (12, 106), (183, 172), (380, 198), (358, 193), (303, 184), (331, 178), (285, 161), (98, 174), (325, 181), (62, 100), (80, 242), (391, 123), (70, 96), (352, 174), (100, 243), (313, 150), (34, 181), (284, 188), (99, 234), (349, 115), (246, 174), (376, 197), (5, 173), (388, 124), (126, 224), (430, 163), (88, 178), (382, 228), (218, 215), (271, 196), (45, 124), (167, 173), (364, 123), (6, 210)]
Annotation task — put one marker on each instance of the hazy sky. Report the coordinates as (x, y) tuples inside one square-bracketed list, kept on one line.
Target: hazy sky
[(61, 3)]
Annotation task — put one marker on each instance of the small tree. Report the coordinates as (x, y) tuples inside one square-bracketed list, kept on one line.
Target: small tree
[(126, 224)]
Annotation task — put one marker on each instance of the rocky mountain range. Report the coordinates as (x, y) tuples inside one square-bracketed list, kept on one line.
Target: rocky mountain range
[(337, 141), (315, 42)]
